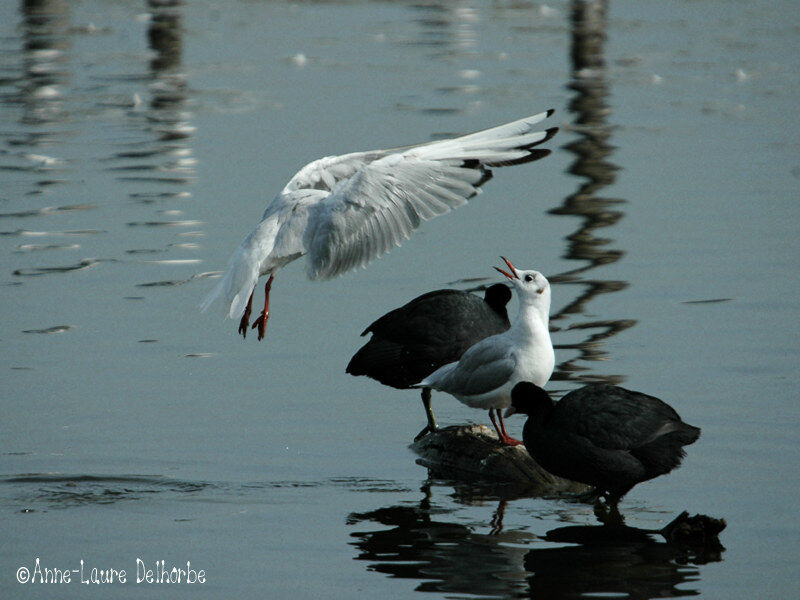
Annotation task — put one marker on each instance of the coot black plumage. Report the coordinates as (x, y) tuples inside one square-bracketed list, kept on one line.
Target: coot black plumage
[(411, 342), (603, 435)]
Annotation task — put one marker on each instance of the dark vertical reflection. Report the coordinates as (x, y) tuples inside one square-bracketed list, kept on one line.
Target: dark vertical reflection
[(446, 27), (164, 35), (163, 156), (161, 164), (592, 151), (448, 32), (420, 543), (45, 25), (36, 89), (425, 542), (157, 164)]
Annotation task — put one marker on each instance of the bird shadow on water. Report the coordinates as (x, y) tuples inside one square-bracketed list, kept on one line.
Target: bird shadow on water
[(425, 542)]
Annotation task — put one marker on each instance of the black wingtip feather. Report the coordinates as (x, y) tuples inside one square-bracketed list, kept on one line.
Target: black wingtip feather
[(487, 175), (549, 135), (535, 154)]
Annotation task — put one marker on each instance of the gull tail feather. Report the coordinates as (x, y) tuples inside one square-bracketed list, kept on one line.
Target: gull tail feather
[(238, 282), (434, 379)]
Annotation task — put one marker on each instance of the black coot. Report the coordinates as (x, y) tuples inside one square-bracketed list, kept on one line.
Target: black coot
[(411, 342), (603, 435)]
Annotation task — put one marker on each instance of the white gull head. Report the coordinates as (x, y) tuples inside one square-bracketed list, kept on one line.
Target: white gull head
[(533, 289)]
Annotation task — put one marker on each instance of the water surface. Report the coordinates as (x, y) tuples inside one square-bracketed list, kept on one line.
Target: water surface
[(140, 142)]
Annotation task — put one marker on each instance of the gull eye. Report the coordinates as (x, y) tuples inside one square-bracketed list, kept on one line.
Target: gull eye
[(528, 277)]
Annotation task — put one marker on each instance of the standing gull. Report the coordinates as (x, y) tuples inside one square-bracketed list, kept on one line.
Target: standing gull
[(487, 372), (344, 211), (411, 342)]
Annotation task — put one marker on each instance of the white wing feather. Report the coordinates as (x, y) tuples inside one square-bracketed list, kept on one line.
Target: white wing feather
[(388, 197), (380, 207)]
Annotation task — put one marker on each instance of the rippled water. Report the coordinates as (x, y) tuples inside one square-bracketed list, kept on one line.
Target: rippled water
[(140, 141)]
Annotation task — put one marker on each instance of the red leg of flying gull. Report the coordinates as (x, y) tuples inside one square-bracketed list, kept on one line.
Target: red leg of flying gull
[(501, 430), (246, 316), (261, 322)]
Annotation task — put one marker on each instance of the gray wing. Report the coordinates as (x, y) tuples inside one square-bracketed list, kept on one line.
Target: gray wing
[(483, 368), (382, 202)]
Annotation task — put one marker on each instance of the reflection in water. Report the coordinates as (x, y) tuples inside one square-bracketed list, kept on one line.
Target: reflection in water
[(592, 150), (447, 27), (448, 30), (415, 542), (38, 92), (168, 88), (85, 263), (55, 329), (32, 491), (421, 542), (160, 164), (621, 562), (45, 25), (164, 155), (47, 210), (154, 168)]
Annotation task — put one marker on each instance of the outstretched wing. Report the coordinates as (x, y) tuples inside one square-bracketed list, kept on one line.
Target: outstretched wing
[(382, 201), (325, 173)]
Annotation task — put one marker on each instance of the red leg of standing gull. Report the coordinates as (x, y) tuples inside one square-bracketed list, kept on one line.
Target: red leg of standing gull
[(261, 322), (246, 316), (508, 439), (501, 432)]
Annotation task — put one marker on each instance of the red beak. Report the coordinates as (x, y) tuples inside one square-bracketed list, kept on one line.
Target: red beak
[(510, 266)]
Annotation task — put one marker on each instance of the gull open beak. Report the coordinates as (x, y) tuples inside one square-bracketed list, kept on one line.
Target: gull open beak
[(510, 266), (509, 411)]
